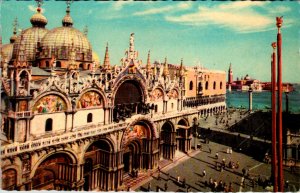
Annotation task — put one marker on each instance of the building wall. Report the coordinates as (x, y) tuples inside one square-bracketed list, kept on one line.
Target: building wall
[(190, 77), (214, 77)]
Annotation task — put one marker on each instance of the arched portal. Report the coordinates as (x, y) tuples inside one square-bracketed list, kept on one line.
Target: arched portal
[(9, 179), (132, 157), (98, 164), (128, 100), (183, 135), (57, 172), (168, 141), (139, 147)]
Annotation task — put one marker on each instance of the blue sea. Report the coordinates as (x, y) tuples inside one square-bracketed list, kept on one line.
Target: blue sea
[(262, 100)]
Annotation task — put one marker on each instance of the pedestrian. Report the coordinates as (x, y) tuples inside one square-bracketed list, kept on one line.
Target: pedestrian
[(178, 178), (183, 182), (217, 155), (204, 173), (244, 172), (149, 187), (209, 149), (166, 186)]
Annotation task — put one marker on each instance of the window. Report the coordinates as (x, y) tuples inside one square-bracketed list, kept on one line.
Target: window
[(206, 85), (47, 64), (58, 64), (214, 85), (172, 105), (191, 85), (81, 65), (155, 108), (90, 118), (221, 85), (49, 123)]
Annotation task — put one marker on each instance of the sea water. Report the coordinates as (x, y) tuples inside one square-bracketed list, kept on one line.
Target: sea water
[(262, 100)]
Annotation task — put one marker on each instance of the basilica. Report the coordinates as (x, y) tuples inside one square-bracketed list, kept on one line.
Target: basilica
[(71, 122)]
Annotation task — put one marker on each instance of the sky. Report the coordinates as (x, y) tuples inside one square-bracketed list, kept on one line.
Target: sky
[(206, 33)]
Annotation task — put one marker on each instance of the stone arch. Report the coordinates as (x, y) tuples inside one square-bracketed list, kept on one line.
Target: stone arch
[(63, 97), (98, 91), (9, 179), (71, 155), (55, 172), (130, 78), (183, 133), (167, 141)]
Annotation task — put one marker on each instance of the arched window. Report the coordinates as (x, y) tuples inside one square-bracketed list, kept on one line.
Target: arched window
[(58, 64), (221, 85), (214, 85), (90, 118), (81, 65), (206, 85), (49, 123), (172, 105), (155, 108), (191, 85)]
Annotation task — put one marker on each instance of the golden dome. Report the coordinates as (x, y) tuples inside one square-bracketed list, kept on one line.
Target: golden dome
[(6, 51), (31, 37), (95, 57), (59, 42), (67, 20), (38, 19)]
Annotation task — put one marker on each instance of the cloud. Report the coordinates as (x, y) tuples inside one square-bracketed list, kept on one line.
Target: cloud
[(238, 16), (279, 10), (33, 8), (120, 4), (180, 6)]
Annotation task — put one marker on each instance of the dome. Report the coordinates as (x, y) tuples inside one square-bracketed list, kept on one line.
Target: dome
[(6, 51), (31, 37), (13, 38), (38, 19), (59, 42), (95, 57)]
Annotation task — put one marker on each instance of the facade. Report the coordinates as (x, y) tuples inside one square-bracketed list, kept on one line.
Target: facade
[(68, 124)]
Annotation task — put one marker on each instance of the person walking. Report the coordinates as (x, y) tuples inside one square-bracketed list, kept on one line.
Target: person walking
[(166, 186), (149, 187), (204, 173), (209, 149), (217, 155)]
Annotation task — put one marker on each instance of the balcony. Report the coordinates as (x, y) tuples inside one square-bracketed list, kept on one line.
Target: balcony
[(19, 115), (93, 130)]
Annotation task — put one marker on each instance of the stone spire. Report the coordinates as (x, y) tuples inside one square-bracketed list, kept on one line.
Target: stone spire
[(67, 20), (106, 62), (148, 65), (15, 26), (181, 69), (132, 54), (155, 69), (166, 68)]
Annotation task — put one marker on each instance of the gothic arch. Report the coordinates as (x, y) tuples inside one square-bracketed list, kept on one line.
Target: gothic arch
[(27, 72)]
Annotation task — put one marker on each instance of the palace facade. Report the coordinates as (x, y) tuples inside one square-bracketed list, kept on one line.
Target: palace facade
[(69, 122)]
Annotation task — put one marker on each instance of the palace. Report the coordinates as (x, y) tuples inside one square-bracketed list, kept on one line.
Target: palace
[(69, 122)]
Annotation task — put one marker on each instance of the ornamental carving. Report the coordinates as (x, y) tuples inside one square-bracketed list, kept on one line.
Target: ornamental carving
[(49, 104), (89, 100)]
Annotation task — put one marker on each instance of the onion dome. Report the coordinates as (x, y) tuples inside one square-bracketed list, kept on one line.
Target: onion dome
[(61, 40), (38, 19), (67, 20), (31, 36), (95, 57), (6, 51)]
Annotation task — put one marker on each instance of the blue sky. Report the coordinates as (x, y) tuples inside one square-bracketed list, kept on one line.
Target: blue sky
[(213, 34)]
